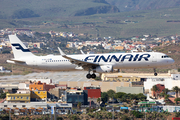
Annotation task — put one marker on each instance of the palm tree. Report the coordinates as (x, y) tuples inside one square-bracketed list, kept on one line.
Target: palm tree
[(166, 90), (98, 101), (155, 89), (79, 105), (176, 89)]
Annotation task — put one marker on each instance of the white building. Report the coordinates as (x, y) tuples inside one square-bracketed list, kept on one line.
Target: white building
[(23, 91), (23, 86), (168, 82), (43, 80)]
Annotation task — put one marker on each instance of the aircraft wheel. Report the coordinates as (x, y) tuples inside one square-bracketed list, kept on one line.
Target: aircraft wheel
[(93, 75), (155, 74), (89, 76)]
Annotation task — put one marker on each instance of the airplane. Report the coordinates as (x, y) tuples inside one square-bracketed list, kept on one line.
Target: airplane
[(93, 63)]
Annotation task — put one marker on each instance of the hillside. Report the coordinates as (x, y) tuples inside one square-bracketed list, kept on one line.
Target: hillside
[(96, 18), (54, 8), (57, 8), (131, 5)]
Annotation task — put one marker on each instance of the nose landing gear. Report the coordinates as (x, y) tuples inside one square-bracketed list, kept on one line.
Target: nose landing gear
[(155, 73)]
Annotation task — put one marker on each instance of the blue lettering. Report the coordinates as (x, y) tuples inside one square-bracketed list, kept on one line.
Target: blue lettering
[(128, 56), (102, 57), (95, 59), (145, 56), (87, 58), (115, 58), (136, 57)]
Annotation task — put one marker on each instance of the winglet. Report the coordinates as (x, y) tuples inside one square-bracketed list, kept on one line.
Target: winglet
[(61, 52), (82, 52)]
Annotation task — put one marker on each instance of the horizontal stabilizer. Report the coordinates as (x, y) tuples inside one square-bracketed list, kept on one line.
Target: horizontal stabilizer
[(13, 60)]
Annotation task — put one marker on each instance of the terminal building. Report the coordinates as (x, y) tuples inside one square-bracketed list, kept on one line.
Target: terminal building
[(123, 78)]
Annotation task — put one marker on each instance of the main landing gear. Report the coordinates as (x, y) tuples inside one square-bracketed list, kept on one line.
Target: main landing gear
[(155, 73), (91, 76)]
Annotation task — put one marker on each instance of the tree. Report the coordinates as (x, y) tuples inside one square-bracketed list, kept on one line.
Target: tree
[(141, 96), (166, 97), (98, 101), (119, 95), (104, 97), (2, 94), (155, 89), (111, 93), (79, 105), (176, 89), (166, 90), (177, 100), (137, 114)]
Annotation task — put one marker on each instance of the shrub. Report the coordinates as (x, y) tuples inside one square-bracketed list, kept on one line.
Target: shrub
[(137, 114)]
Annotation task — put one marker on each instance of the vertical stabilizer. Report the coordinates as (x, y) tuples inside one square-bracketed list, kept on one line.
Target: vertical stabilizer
[(19, 49)]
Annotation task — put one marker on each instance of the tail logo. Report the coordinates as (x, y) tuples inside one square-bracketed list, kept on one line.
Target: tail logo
[(19, 47)]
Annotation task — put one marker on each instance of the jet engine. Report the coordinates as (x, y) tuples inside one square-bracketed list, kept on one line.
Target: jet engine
[(103, 69)]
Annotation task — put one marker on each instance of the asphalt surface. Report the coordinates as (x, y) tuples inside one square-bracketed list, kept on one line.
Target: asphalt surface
[(78, 76)]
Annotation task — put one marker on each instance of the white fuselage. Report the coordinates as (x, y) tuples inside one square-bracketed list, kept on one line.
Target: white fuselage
[(117, 60)]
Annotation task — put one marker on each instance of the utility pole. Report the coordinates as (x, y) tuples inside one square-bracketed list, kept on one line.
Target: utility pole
[(113, 112), (113, 109), (54, 113), (10, 114)]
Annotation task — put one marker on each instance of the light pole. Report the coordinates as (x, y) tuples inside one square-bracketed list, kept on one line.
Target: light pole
[(10, 114), (113, 109), (113, 112)]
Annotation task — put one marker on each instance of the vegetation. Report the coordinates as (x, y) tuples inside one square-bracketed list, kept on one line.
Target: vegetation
[(24, 13), (121, 97), (104, 97), (2, 94), (155, 89), (152, 22), (79, 105), (176, 89), (177, 100), (111, 93), (137, 114)]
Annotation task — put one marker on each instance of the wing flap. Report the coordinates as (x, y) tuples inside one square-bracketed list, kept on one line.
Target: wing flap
[(79, 62)]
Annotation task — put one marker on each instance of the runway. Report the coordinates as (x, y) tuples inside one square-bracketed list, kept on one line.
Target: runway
[(79, 76)]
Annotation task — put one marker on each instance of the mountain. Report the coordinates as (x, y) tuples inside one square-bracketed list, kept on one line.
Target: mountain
[(131, 5), (53, 8)]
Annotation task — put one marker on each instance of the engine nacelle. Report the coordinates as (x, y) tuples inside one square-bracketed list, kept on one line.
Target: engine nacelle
[(104, 69)]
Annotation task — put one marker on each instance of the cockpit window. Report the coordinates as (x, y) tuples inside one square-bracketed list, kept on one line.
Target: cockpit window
[(165, 56)]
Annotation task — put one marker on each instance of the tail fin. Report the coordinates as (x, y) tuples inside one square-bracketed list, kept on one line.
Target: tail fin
[(19, 49)]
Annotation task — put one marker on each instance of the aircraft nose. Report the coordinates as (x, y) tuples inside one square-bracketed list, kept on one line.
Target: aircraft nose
[(171, 61)]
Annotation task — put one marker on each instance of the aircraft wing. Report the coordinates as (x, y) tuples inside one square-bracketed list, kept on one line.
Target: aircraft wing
[(80, 62)]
